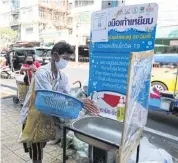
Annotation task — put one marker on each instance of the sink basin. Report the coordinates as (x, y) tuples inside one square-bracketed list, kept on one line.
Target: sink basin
[(99, 128)]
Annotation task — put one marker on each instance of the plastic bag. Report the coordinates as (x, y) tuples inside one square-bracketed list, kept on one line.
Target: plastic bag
[(81, 147), (150, 154)]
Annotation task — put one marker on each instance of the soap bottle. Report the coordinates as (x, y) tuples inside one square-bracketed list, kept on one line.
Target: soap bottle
[(120, 110)]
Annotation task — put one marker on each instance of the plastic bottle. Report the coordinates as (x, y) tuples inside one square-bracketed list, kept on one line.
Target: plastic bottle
[(120, 110)]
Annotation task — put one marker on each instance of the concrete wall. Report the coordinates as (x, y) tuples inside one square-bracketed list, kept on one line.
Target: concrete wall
[(80, 27), (27, 3), (5, 15), (29, 18), (29, 36), (29, 14)]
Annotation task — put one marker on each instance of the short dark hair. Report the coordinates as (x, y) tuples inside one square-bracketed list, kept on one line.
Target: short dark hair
[(61, 48)]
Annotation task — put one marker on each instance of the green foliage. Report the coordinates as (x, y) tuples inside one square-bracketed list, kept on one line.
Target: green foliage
[(8, 35)]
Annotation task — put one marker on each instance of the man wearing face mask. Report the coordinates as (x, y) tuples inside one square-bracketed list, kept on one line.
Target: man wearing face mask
[(30, 66), (48, 77)]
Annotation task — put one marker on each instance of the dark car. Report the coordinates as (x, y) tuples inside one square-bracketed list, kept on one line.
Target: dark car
[(18, 55)]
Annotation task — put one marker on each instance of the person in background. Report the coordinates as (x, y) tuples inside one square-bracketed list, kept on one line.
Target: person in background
[(30, 66), (48, 77)]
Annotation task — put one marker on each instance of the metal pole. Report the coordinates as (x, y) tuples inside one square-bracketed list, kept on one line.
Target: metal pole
[(138, 152), (77, 45), (64, 144)]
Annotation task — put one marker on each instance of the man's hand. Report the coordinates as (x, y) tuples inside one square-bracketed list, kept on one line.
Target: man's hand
[(90, 106)]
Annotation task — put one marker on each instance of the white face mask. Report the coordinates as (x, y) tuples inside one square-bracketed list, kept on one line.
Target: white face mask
[(61, 64)]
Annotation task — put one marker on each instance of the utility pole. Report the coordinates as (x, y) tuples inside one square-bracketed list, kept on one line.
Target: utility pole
[(77, 45)]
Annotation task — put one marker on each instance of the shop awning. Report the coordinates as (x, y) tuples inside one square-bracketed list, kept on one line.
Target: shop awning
[(173, 34), (166, 58)]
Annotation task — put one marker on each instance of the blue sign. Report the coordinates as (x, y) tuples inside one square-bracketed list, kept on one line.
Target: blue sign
[(115, 34)]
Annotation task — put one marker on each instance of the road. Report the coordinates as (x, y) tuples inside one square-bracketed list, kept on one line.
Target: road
[(160, 124)]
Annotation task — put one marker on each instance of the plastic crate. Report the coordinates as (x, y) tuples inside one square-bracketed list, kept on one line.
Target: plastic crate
[(58, 104)]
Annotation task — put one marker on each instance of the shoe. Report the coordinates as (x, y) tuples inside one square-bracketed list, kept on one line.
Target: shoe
[(53, 142)]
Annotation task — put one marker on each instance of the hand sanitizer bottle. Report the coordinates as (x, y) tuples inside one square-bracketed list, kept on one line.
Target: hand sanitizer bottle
[(120, 110)]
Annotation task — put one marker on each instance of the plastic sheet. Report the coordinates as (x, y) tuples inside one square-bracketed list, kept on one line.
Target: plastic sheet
[(150, 154)]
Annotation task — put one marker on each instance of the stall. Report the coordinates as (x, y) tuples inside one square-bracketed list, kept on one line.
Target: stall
[(166, 101), (121, 55)]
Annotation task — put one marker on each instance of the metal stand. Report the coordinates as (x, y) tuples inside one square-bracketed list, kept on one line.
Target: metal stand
[(65, 128), (64, 144), (138, 152)]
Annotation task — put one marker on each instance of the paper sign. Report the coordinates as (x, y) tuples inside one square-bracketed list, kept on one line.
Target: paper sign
[(137, 100), (100, 26)]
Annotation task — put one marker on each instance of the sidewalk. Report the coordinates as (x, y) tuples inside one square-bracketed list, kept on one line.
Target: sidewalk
[(11, 150)]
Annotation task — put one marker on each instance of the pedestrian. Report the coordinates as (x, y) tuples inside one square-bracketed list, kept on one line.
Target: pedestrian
[(39, 128), (30, 66)]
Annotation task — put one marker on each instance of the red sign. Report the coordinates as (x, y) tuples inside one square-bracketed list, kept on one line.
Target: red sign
[(111, 100)]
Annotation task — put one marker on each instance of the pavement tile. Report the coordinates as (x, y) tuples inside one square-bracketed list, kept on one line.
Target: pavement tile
[(12, 158), (5, 152), (3, 134), (13, 145), (56, 153), (26, 157), (48, 158), (20, 152), (5, 139), (50, 148), (12, 133)]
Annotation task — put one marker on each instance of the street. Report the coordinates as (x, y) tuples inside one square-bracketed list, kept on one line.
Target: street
[(163, 127)]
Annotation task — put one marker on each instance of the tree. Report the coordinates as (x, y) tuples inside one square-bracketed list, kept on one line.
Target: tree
[(7, 36)]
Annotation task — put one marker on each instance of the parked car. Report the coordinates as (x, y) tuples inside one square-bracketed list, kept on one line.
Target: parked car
[(164, 79), (41, 54)]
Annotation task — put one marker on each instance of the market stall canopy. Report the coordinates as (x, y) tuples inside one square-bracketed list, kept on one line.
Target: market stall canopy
[(167, 32), (173, 34), (160, 45), (166, 58)]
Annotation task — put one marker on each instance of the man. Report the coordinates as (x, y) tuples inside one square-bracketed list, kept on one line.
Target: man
[(48, 77)]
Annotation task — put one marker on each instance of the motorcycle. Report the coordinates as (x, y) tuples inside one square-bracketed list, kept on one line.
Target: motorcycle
[(6, 72)]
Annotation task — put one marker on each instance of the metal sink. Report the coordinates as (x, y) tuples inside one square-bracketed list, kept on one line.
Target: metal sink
[(98, 128)]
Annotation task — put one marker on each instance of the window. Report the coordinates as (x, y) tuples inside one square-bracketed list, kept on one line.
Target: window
[(80, 3), (19, 53), (70, 32), (15, 4), (43, 52), (48, 54), (29, 30)]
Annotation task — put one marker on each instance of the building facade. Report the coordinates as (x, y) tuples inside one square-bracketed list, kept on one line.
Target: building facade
[(80, 14), (32, 18), (43, 20)]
